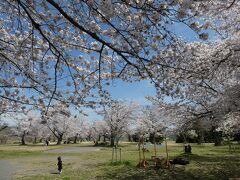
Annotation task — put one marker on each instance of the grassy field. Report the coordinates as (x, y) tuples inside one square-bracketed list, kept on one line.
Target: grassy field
[(35, 162)]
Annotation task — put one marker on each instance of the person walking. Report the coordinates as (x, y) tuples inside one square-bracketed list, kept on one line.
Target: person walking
[(59, 164)]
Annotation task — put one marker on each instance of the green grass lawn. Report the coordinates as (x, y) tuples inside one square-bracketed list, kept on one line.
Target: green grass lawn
[(206, 162)]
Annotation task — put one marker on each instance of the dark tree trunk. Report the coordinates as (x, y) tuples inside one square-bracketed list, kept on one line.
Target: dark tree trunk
[(117, 141), (68, 141), (200, 137), (104, 138), (129, 138), (184, 138), (217, 143), (99, 137), (35, 140), (80, 139), (95, 143), (23, 138), (59, 139), (112, 140), (217, 137), (152, 137), (89, 138), (75, 140)]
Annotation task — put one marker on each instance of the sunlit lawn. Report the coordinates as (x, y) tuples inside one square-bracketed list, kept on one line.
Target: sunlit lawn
[(206, 162)]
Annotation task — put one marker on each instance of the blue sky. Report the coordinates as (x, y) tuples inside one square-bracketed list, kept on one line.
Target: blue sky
[(132, 91), (124, 91)]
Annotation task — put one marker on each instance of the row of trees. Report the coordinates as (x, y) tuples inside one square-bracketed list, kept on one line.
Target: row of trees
[(125, 119), (119, 119), (212, 119), (132, 120)]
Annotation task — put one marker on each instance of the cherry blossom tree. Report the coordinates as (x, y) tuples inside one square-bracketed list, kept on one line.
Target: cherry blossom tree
[(205, 70), (86, 131), (3, 126), (230, 126), (77, 126), (7, 110), (205, 112), (24, 127), (228, 101), (43, 132), (101, 129), (81, 45), (226, 110), (39, 131), (59, 121), (153, 121), (118, 116)]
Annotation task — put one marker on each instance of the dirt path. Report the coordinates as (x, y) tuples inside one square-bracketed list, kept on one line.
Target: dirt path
[(73, 150), (6, 168), (11, 167)]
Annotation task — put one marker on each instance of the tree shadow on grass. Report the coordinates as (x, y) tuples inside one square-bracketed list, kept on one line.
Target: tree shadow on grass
[(217, 166), (54, 172), (134, 173), (214, 166)]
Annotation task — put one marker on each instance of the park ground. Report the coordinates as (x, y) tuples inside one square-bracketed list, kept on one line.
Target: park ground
[(83, 161)]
